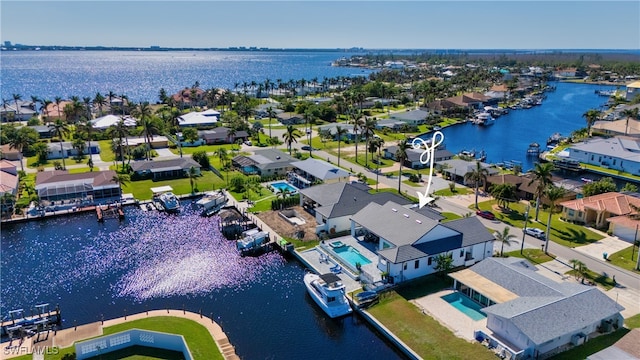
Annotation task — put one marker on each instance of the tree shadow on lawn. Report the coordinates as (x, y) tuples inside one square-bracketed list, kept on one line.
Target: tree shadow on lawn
[(424, 286), (574, 236)]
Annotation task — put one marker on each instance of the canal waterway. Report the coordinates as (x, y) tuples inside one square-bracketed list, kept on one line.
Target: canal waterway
[(157, 261), (511, 134)]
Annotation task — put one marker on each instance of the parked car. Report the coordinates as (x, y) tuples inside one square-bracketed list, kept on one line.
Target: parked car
[(248, 143), (307, 148), (536, 233), (486, 214)]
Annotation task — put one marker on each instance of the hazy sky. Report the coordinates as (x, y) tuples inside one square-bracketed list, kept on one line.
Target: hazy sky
[(326, 24)]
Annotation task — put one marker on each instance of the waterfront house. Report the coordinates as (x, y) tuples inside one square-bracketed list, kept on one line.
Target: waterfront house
[(525, 188), (54, 151), (565, 73), (614, 210), (530, 315), (22, 111), (408, 242), (261, 111), (9, 179), (412, 117), (199, 118), (61, 185), (265, 162), (468, 100), (633, 90), (220, 135), (313, 171), (455, 169), (394, 125), (164, 169), (9, 153), (629, 127), (334, 204), (413, 156), (188, 97), (617, 153), (286, 118), (105, 122), (55, 111)]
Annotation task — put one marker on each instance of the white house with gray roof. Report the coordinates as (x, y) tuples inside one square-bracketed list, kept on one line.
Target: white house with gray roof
[(334, 204), (618, 153), (412, 117), (455, 169), (312, 171), (408, 242), (265, 162), (530, 315)]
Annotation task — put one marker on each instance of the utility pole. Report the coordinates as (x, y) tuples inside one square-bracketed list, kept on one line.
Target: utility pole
[(526, 219)]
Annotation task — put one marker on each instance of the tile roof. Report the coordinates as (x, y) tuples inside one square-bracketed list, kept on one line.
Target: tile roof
[(320, 169), (611, 202)]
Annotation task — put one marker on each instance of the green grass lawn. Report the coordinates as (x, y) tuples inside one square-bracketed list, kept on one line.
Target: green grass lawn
[(535, 256), (592, 346), (81, 170), (200, 343), (422, 333), (450, 216), (564, 233), (141, 189), (361, 160), (633, 322), (106, 154), (600, 279), (208, 148), (457, 191), (623, 259), (265, 196), (605, 171)]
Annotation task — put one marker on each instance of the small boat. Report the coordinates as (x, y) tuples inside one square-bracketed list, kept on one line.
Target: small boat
[(252, 240), (534, 149), (485, 119), (211, 203), (169, 202), (328, 291), (467, 154)]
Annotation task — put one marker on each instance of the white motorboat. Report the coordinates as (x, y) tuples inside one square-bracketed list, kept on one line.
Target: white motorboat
[(328, 291), (169, 202), (485, 119), (211, 203), (252, 240)]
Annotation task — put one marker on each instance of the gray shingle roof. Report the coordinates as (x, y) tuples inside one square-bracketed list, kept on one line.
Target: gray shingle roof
[(411, 115), (564, 315), (618, 147), (182, 163), (472, 229), (320, 169)]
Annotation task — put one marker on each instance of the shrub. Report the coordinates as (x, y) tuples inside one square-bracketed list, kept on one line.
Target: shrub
[(201, 158)]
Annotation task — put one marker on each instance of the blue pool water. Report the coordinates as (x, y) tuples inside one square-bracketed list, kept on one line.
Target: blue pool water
[(465, 305), (351, 255), (284, 186)]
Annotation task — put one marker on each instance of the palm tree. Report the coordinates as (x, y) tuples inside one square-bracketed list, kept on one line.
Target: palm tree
[(100, 101), (504, 238), (553, 194), (591, 116), (477, 176), (88, 127), (368, 129), (120, 131), (192, 174), (121, 179), (17, 97), (20, 142), (143, 113), (223, 155), (340, 132), (291, 136), (541, 174), (110, 96), (401, 157), (271, 113), (629, 114), (355, 119), (45, 109), (58, 100), (60, 130), (580, 269)]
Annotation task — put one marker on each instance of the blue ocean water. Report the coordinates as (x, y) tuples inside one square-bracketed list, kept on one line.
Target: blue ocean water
[(511, 134), (157, 261), (141, 74)]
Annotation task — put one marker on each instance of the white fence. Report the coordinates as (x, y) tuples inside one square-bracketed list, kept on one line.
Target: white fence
[(108, 343)]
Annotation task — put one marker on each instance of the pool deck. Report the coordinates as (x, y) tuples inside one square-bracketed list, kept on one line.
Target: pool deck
[(447, 315)]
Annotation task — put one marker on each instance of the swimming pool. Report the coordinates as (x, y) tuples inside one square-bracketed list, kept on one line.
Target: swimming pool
[(284, 186), (351, 255), (465, 305)]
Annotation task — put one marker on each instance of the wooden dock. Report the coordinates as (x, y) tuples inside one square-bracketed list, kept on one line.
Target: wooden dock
[(113, 211)]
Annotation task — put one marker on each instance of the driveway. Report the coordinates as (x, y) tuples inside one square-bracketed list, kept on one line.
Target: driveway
[(165, 153)]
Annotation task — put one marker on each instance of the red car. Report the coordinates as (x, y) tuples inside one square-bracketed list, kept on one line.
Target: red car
[(486, 214)]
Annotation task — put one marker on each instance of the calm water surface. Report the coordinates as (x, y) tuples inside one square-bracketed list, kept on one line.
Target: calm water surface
[(141, 74), (155, 261)]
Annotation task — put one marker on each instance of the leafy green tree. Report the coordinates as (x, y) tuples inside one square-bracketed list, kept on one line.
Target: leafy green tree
[(505, 238), (41, 150), (120, 131), (237, 183), (256, 129), (201, 158), (601, 186), (193, 175), (477, 176), (444, 263), (223, 155), (503, 193), (629, 187), (190, 134), (541, 175)]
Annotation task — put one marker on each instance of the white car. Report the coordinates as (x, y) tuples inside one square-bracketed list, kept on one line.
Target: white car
[(537, 233)]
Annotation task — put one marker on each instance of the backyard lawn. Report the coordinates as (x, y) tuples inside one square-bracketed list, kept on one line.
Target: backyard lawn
[(141, 189), (106, 154), (208, 148), (592, 346), (563, 233), (423, 334)]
